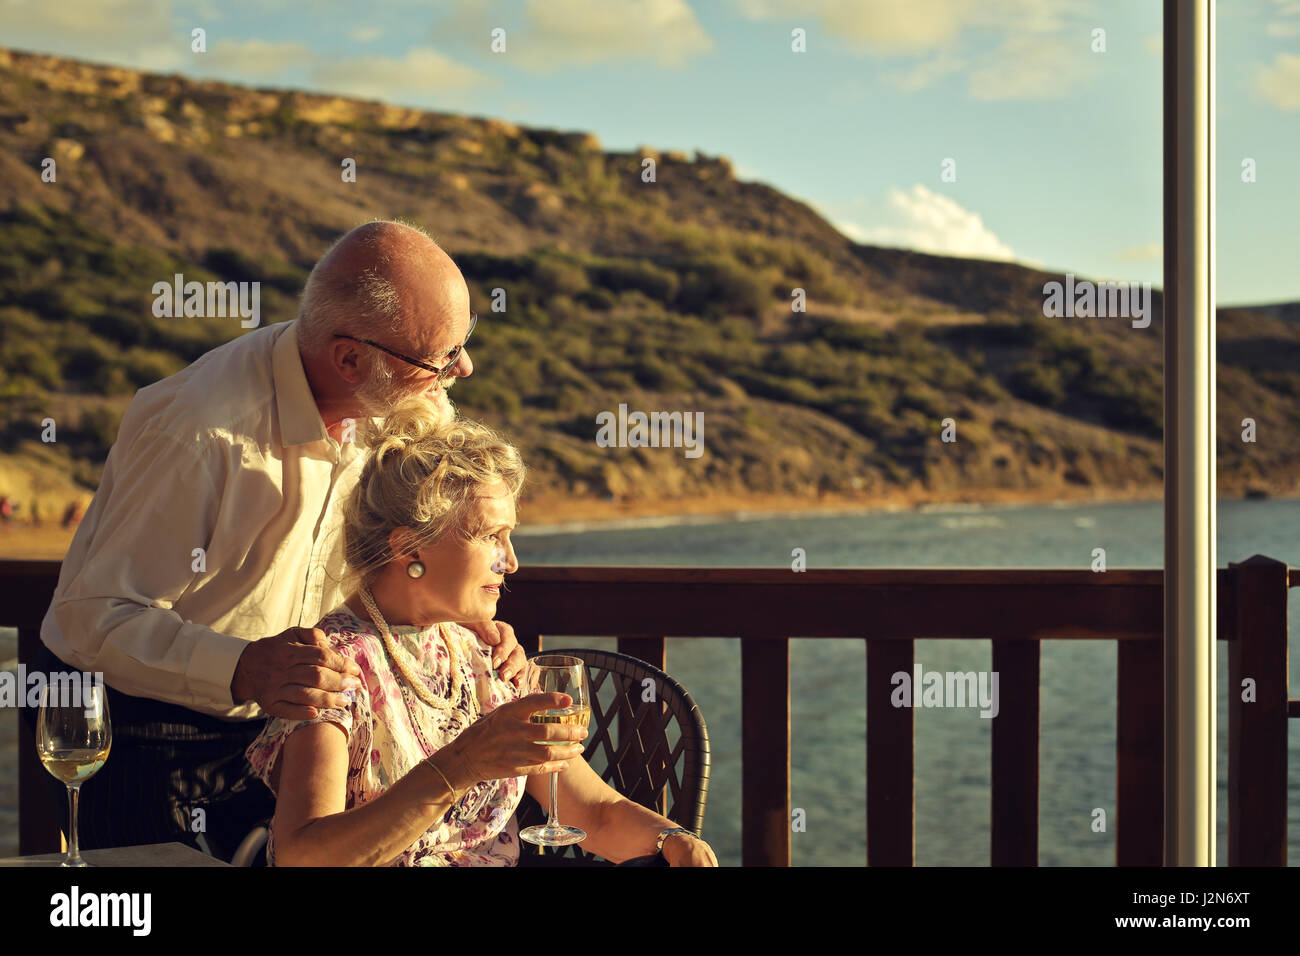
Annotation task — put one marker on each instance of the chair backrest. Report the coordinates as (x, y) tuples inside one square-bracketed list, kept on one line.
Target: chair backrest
[(648, 740)]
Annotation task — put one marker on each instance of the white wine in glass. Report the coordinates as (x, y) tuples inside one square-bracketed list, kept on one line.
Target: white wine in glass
[(73, 738), (558, 674)]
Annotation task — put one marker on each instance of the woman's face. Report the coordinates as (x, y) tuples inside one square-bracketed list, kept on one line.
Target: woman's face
[(462, 578)]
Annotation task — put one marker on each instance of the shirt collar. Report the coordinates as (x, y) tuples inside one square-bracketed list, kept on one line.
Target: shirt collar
[(300, 420)]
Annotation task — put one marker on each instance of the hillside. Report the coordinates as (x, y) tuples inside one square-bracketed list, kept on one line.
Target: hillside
[(673, 295)]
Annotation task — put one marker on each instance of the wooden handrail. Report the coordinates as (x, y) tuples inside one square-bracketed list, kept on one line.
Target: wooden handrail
[(890, 609)]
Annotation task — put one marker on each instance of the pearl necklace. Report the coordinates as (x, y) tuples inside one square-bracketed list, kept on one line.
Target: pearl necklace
[(403, 669)]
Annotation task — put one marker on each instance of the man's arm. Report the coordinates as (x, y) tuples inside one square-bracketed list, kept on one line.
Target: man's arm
[(131, 560)]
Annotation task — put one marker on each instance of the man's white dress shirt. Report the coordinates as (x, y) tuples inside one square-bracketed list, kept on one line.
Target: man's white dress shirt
[(218, 521)]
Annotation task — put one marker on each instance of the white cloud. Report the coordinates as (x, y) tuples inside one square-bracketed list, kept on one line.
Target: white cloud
[(253, 59), (928, 72), (1027, 68), (564, 32), (551, 35), (914, 26), (928, 222), (139, 33), (422, 72), (1280, 82), (886, 26), (1284, 29), (153, 35), (1143, 253), (852, 230), (1042, 47)]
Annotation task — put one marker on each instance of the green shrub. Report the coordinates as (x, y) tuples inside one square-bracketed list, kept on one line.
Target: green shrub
[(1037, 383), (655, 283), (659, 376), (146, 366), (599, 300), (232, 265), (718, 285), (99, 426), (557, 277)]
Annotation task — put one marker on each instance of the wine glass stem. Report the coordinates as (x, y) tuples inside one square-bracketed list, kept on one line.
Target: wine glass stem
[(74, 854), (551, 820)]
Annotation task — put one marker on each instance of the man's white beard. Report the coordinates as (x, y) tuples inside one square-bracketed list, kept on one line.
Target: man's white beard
[(382, 393)]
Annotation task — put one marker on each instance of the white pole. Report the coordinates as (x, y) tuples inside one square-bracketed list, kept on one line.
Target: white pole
[(1189, 637)]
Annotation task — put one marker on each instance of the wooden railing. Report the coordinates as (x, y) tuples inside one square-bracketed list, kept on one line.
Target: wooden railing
[(889, 610)]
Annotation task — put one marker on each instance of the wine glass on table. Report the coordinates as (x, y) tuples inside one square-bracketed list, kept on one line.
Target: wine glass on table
[(73, 737), (558, 674)]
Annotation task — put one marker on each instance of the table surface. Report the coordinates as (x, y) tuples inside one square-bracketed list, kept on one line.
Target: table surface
[(153, 854)]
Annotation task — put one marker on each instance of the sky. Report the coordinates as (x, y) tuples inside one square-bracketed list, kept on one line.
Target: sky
[(1053, 129)]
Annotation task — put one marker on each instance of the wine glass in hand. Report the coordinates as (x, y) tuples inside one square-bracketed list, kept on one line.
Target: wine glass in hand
[(73, 737), (558, 674)]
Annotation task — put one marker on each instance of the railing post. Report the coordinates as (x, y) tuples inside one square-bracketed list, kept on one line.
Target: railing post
[(1257, 726), (648, 648), (765, 751), (891, 787), (1139, 822), (529, 640), (1015, 754)]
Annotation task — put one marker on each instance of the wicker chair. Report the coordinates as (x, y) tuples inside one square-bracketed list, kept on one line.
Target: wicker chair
[(639, 748)]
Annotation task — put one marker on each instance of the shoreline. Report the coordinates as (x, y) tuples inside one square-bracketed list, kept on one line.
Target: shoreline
[(567, 516), (574, 516)]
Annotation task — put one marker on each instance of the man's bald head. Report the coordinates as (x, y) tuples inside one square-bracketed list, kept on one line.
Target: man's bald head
[(391, 283), (382, 279)]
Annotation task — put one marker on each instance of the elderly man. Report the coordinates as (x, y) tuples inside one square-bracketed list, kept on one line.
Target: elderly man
[(213, 543)]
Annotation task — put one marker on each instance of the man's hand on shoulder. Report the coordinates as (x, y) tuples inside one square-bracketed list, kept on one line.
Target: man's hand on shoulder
[(294, 674), (507, 656)]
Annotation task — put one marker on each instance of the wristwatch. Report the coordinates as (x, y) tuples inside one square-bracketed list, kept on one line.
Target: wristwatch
[(665, 834)]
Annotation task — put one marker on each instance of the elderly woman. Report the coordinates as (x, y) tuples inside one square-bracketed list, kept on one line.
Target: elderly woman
[(424, 761)]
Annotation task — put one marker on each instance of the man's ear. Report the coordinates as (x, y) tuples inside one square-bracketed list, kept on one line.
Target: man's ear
[(345, 358)]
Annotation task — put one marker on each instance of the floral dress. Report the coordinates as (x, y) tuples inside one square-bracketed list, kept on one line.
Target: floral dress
[(390, 730)]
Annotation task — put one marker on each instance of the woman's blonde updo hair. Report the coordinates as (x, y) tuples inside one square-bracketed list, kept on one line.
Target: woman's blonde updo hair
[(422, 474)]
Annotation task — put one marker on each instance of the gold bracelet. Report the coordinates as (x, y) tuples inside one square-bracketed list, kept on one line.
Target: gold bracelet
[(455, 798)]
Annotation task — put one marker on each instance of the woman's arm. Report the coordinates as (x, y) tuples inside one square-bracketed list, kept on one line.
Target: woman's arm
[(312, 828), (618, 829)]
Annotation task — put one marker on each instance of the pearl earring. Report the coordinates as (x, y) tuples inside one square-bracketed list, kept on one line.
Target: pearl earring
[(415, 569)]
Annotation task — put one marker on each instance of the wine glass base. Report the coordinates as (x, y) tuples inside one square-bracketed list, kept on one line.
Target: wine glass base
[(558, 835), (75, 863)]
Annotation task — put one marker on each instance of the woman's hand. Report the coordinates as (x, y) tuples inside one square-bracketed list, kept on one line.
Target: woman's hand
[(501, 744), (682, 850)]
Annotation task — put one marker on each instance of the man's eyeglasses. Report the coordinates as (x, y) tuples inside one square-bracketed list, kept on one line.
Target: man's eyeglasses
[(452, 357)]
